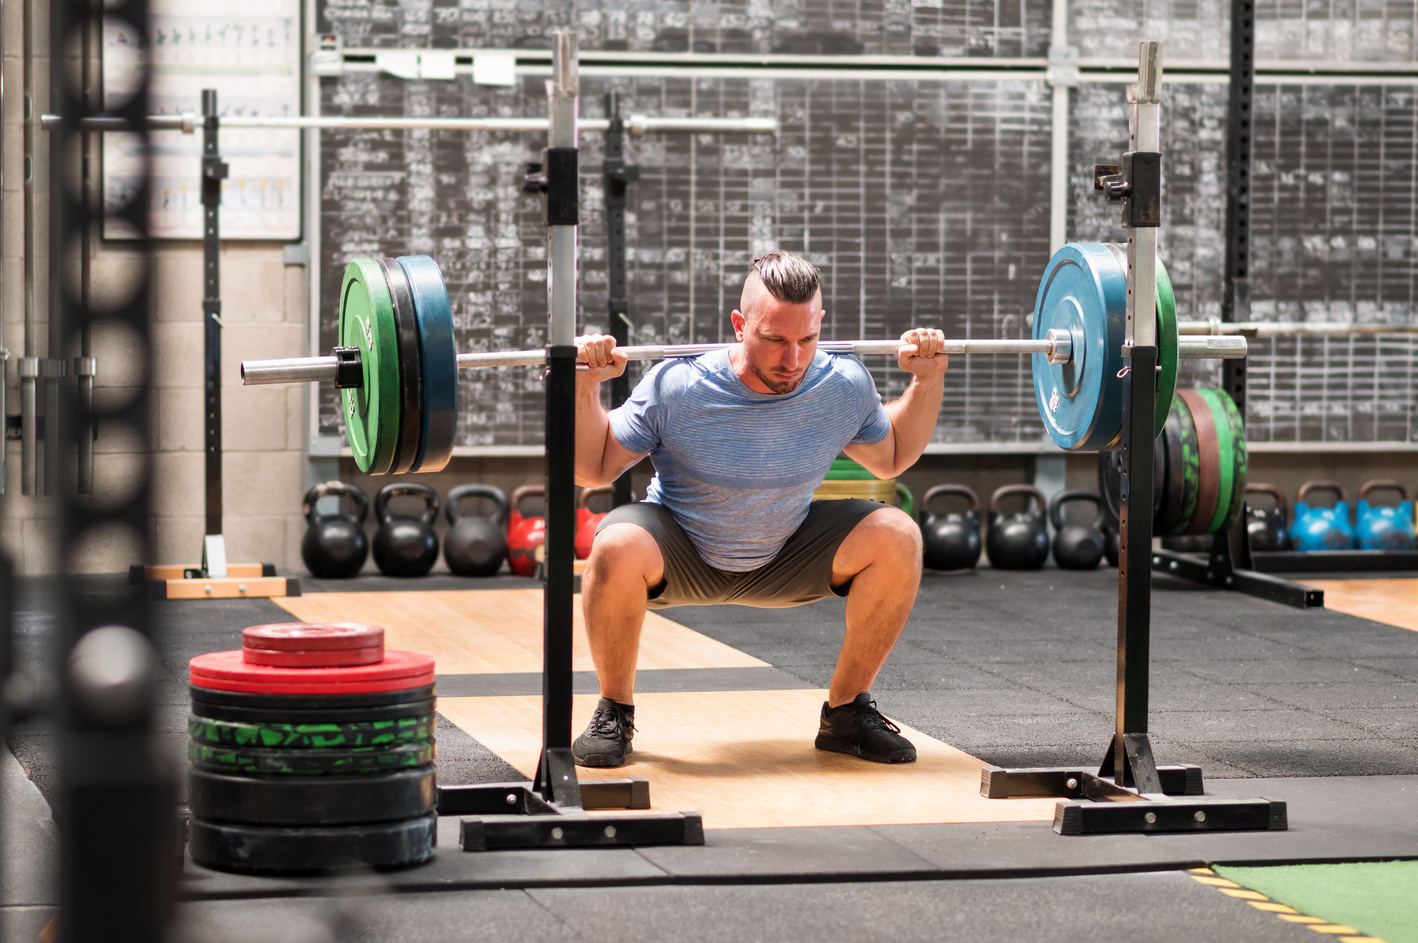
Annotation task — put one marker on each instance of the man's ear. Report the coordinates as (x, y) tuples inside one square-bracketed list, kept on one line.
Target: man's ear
[(739, 322)]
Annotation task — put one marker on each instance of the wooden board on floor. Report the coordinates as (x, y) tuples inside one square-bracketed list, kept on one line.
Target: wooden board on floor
[(484, 631), (745, 759), (1393, 602)]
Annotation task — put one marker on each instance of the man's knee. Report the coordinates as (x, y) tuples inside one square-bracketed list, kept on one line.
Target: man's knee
[(623, 549), (888, 536)]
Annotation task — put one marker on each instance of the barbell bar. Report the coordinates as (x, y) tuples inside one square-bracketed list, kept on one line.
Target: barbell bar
[(1056, 349)]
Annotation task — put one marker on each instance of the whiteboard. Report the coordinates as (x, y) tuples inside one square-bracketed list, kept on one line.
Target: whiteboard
[(253, 60)]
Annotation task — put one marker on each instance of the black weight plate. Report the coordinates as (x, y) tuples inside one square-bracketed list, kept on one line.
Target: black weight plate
[(439, 354), (358, 761), (320, 800), (357, 715), (286, 736), (256, 849), (1172, 495), (306, 702), (410, 367), (1110, 479)]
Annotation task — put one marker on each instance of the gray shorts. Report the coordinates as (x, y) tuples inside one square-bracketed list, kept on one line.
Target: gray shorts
[(801, 572)]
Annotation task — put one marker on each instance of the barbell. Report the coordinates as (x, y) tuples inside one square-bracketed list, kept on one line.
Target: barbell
[(396, 364)]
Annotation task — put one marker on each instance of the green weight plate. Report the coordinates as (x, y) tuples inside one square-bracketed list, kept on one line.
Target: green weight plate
[(439, 354), (1084, 292), (371, 411), (1226, 461), (1166, 346), (357, 761), (296, 736), (845, 469), (410, 367), (268, 849), (1191, 468), (1240, 459), (311, 800)]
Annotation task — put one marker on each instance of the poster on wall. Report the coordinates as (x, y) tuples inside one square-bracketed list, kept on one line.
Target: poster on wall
[(251, 55)]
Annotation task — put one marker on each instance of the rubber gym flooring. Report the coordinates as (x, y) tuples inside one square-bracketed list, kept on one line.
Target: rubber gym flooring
[(1319, 708)]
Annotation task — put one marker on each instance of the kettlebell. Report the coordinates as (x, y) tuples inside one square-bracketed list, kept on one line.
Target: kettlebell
[(1018, 541), (586, 521), (1267, 528), (1077, 546), (1385, 527), (334, 546), (1320, 528), (405, 546), (1112, 542), (475, 545), (525, 535), (952, 539)]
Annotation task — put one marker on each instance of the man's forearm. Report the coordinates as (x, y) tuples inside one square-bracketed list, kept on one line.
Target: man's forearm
[(913, 420), (592, 428)]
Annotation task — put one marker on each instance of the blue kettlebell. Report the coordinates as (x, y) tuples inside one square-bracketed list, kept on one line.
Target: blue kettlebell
[(1321, 528), (1385, 527)]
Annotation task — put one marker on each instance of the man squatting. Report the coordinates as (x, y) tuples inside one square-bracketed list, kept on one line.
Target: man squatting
[(739, 439)]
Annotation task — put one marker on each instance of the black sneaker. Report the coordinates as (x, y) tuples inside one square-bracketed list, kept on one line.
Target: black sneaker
[(858, 729), (607, 738)]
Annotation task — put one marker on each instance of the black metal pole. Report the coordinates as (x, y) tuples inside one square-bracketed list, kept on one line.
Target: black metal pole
[(214, 170), (1134, 557), (616, 178), (116, 809), (560, 545)]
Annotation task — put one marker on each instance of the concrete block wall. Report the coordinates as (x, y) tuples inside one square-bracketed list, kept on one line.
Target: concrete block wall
[(264, 430)]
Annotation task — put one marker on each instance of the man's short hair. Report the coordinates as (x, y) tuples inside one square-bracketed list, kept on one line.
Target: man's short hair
[(789, 278)]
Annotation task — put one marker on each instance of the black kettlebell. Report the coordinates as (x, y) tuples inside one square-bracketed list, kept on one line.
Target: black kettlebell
[(1078, 546), (405, 546), (1111, 542), (334, 546), (1018, 541), (474, 545), (952, 539), (1268, 528)]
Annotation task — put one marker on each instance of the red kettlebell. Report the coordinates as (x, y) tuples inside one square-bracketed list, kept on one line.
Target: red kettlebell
[(587, 522), (526, 536)]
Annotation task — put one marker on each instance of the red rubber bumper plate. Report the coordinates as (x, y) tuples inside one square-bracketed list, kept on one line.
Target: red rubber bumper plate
[(312, 636), (339, 658), (228, 671)]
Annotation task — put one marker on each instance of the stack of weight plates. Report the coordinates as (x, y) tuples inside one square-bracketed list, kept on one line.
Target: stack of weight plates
[(312, 750), (1200, 483)]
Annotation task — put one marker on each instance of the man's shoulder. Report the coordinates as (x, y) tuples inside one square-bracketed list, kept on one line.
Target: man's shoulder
[(847, 367), (674, 376)]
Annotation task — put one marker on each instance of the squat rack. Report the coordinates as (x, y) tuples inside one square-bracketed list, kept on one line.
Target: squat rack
[(1130, 792)]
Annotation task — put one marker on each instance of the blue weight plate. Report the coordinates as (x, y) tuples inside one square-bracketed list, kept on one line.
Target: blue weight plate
[(1084, 292), (440, 362)]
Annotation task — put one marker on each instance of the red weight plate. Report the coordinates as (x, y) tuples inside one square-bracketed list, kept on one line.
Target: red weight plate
[(316, 688), (343, 658), (312, 636), (229, 665), (1209, 447)]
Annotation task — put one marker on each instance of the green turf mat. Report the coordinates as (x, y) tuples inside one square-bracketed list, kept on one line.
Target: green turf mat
[(1378, 898)]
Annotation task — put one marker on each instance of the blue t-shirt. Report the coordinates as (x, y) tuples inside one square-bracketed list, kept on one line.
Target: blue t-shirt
[(737, 468)]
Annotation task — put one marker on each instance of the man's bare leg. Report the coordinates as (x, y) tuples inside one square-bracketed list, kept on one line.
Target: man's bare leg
[(882, 558), (625, 561)]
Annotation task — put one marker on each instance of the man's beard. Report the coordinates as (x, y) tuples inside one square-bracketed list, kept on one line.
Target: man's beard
[(778, 386)]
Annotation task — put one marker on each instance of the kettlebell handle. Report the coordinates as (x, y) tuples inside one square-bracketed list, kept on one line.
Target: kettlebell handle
[(1384, 484), (966, 492), (1322, 484), (1008, 490), (1077, 494), (524, 492), (1271, 490), (588, 493), (462, 492), (430, 497), (335, 488)]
